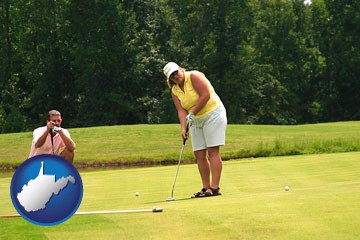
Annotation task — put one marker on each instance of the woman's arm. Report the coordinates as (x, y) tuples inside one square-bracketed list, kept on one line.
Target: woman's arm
[(199, 83), (181, 114)]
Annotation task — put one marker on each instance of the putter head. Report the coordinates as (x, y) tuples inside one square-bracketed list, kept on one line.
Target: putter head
[(157, 209), (169, 199)]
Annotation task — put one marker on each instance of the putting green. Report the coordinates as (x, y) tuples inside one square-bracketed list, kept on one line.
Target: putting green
[(322, 203)]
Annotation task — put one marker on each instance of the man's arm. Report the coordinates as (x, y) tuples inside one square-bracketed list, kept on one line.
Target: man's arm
[(69, 143), (41, 140)]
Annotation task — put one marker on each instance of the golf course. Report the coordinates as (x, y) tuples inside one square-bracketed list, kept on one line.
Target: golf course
[(318, 162)]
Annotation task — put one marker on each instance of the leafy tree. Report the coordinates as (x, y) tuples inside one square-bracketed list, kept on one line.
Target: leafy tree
[(5, 48), (44, 67), (281, 41), (152, 49), (100, 62), (102, 56), (342, 51), (11, 88)]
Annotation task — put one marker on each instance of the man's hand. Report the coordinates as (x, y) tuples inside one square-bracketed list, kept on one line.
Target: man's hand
[(190, 118), (56, 129), (50, 125)]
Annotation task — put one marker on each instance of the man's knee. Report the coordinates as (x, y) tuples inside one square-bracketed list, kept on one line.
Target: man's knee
[(68, 155)]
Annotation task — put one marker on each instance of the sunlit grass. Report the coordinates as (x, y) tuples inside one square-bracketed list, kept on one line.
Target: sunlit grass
[(323, 202), (155, 144)]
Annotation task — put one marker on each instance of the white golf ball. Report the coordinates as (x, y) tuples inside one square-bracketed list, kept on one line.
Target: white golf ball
[(137, 194), (286, 188)]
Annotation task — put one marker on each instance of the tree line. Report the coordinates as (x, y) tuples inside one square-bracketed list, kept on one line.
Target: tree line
[(100, 61)]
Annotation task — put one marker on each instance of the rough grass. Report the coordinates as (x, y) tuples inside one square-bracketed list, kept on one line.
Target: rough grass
[(114, 146), (323, 202)]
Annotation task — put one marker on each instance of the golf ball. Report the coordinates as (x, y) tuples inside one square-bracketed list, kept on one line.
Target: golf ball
[(286, 188), (137, 194)]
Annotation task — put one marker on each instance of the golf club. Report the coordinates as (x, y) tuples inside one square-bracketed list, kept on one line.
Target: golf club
[(154, 210), (177, 169)]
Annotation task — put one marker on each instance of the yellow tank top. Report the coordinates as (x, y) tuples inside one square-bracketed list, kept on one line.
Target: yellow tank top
[(189, 96)]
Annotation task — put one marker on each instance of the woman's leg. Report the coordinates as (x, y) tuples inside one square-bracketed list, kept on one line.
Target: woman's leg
[(204, 167), (215, 166)]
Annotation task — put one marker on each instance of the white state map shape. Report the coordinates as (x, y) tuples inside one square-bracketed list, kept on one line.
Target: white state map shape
[(37, 192)]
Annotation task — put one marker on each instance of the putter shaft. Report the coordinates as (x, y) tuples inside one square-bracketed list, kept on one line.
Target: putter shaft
[(178, 166), (177, 170)]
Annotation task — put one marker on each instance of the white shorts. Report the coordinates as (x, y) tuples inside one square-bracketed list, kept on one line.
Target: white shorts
[(209, 130)]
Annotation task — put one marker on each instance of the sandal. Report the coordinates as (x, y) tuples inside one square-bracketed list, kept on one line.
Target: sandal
[(201, 193), (212, 192)]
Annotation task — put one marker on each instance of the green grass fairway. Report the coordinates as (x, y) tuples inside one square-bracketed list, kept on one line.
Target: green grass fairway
[(323, 202)]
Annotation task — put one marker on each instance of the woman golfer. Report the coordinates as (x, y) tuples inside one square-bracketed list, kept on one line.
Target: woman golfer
[(200, 108)]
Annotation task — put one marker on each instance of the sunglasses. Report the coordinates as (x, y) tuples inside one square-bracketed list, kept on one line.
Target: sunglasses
[(172, 76)]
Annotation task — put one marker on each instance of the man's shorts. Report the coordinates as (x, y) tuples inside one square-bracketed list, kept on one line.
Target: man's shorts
[(209, 130)]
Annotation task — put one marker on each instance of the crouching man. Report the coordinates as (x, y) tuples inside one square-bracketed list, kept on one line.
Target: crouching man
[(53, 139)]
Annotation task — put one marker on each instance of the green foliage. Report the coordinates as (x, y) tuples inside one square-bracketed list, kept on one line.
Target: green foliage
[(100, 62), (343, 55)]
